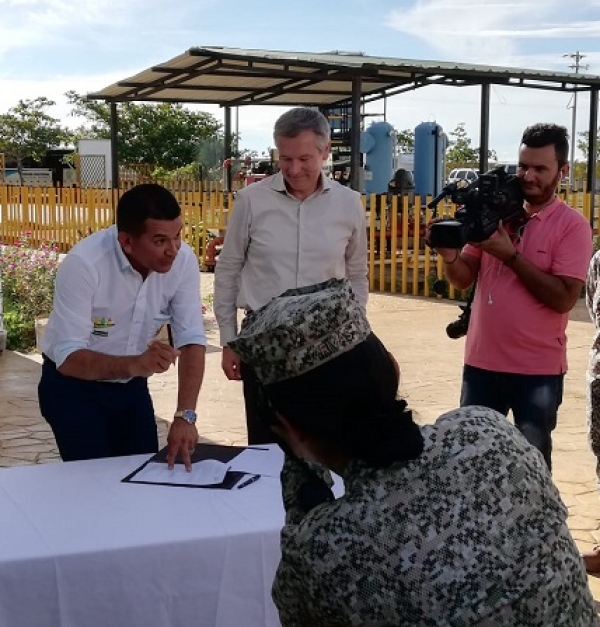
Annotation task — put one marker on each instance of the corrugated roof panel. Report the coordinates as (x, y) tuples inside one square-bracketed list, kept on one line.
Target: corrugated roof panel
[(354, 60), (223, 72)]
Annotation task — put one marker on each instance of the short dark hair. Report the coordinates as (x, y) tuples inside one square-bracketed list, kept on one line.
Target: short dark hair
[(143, 202), (299, 119), (546, 134)]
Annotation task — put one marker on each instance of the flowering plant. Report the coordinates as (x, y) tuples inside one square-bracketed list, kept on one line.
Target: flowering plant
[(27, 276)]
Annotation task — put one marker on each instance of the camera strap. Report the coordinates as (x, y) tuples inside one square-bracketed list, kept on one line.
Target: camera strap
[(472, 294)]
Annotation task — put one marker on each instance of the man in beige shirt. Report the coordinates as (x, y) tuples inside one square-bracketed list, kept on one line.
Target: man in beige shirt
[(292, 229)]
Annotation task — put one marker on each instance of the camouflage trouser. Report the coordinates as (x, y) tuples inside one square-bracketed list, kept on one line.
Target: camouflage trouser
[(593, 420)]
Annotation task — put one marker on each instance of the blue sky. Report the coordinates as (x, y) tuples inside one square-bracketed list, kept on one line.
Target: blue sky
[(50, 46)]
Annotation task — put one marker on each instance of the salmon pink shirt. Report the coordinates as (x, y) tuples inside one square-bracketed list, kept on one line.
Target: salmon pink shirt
[(510, 330)]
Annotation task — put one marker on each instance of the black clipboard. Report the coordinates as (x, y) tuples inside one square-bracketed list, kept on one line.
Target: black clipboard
[(202, 451)]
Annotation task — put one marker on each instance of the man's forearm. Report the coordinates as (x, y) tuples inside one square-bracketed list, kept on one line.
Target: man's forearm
[(460, 273), (94, 366), (225, 310), (549, 289), (191, 374)]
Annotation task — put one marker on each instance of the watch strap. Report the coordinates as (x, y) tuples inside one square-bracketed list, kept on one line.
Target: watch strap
[(189, 415)]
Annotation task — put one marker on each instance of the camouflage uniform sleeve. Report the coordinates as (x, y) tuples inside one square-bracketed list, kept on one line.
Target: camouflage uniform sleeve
[(304, 486), (291, 592), (295, 592), (591, 287), (302, 596)]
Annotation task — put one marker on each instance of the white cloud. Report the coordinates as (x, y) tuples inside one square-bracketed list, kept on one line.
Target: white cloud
[(38, 23), (50, 46), (50, 25), (491, 32), (54, 89)]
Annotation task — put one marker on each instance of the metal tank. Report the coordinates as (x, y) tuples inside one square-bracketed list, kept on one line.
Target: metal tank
[(430, 158), (378, 143)]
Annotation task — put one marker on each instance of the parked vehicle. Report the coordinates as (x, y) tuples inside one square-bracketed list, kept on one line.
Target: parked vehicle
[(462, 174)]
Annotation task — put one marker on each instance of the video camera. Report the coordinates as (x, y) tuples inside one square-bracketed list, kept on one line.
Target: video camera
[(493, 197)]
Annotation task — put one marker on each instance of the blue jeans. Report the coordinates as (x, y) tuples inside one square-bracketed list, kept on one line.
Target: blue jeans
[(534, 400)]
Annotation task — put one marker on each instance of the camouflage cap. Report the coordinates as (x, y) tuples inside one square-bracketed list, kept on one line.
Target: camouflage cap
[(301, 329)]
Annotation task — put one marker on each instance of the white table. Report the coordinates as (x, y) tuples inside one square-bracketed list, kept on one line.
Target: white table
[(78, 548)]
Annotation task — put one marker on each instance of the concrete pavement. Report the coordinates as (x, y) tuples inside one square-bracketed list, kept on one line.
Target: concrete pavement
[(412, 328)]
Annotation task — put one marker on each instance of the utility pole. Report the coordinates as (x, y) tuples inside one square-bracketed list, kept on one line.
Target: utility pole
[(576, 65)]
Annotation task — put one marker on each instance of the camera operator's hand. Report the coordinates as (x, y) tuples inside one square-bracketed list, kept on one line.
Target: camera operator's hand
[(499, 245), (447, 254)]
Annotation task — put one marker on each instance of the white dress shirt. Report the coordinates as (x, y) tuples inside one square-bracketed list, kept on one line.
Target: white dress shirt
[(275, 242), (102, 304)]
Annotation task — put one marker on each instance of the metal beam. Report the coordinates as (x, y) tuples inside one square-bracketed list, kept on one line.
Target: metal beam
[(592, 148), (114, 148), (355, 134), (484, 127), (227, 150)]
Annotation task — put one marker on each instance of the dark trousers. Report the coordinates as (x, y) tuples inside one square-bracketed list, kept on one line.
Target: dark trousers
[(92, 419), (257, 413), (533, 399)]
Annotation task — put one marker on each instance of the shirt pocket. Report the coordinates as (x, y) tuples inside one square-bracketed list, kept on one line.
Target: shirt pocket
[(541, 258)]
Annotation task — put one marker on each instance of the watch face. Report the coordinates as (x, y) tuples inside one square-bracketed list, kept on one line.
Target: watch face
[(189, 415)]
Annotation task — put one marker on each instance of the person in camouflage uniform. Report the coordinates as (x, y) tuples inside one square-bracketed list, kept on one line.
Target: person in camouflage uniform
[(592, 294), (452, 524)]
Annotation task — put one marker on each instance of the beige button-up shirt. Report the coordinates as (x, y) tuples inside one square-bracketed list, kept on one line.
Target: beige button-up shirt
[(275, 242)]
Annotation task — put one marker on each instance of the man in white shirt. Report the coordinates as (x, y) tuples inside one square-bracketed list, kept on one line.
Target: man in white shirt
[(293, 229), (114, 290)]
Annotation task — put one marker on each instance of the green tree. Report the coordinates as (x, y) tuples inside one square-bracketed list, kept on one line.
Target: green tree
[(584, 144), (405, 141), (460, 151), (165, 135), (28, 130)]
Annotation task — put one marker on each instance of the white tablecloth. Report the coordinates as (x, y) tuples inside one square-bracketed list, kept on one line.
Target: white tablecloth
[(78, 548)]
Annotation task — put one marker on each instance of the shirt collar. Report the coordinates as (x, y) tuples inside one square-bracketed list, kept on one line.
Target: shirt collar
[(124, 263), (278, 184), (548, 210)]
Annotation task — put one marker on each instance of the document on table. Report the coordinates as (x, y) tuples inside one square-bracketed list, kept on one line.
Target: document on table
[(210, 469), (213, 466), (209, 472)]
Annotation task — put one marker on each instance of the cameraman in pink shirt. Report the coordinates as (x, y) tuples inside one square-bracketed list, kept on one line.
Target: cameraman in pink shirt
[(527, 283)]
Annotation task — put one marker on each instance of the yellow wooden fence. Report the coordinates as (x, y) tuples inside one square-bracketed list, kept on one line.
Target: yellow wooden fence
[(63, 216), (399, 261)]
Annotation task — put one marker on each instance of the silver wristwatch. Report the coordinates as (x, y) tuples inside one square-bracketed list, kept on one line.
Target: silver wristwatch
[(189, 415)]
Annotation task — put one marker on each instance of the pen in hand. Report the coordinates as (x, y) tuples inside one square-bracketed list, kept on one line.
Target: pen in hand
[(248, 481)]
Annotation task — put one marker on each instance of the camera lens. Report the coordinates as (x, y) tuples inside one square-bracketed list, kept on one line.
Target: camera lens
[(440, 287), (456, 330)]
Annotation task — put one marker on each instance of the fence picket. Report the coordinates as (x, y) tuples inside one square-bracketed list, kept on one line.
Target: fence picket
[(398, 260)]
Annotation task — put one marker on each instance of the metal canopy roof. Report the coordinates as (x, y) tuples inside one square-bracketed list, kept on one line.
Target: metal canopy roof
[(234, 77)]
